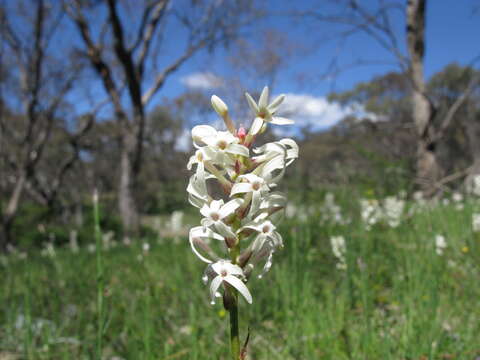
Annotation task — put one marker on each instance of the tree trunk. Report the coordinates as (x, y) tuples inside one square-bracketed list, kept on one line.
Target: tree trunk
[(126, 196), (472, 127), (11, 211), (428, 168)]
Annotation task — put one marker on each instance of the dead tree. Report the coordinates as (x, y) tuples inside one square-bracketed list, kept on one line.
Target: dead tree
[(430, 125), (130, 60), (33, 92)]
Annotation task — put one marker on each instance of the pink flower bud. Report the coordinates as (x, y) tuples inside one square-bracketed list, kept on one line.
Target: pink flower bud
[(241, 133)]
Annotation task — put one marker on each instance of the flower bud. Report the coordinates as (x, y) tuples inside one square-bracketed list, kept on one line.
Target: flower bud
[(241, 133), (222, 109), (219, 106)]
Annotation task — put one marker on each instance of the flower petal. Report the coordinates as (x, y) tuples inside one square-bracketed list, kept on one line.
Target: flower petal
[(263, 101), (267, 266), (273, 106), (256, 199), (281, 121), (194, 242), (224, 230), (256, 126), (237, 149), (202, 132), (214, 287), (240, 188), (251, 103), (229, 208), (240, 286)]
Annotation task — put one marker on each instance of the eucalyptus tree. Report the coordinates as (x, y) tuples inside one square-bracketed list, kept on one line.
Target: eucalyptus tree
[(125, 44), (37, 77)]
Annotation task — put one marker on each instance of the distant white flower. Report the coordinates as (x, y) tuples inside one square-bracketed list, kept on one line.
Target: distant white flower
[(176, 221), (474, 188), (476, 222), (457, 197), (265, 112), (371, 212), (146, 247), (224, 272), (440, 244), (339, 250), (73, 242), (393, 208)]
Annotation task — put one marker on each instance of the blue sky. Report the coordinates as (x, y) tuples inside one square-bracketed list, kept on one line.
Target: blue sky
[(452, 35)]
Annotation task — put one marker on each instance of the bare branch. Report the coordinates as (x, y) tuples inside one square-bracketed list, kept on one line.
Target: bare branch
[(447, 120), (94, 54), (158, 12), (160, 79)]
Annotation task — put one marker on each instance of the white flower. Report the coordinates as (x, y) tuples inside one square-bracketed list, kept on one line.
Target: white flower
[(457, 197), (220, 142), (440, 244), (266, 251), (197, 190), (265, 232), (254, 186), (224, 272), (474, 188), (265, 112), (339, 249), (273, 158), (476, 222), (216, 211), (393, 210)]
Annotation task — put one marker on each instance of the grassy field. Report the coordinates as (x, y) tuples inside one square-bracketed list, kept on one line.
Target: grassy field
[(398, 297)]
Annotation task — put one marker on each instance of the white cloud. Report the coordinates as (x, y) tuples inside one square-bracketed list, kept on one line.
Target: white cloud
[(317, 112), (184, 141), (202, 81)]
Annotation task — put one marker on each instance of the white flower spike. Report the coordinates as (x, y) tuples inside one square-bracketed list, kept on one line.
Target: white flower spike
[(238, 230)]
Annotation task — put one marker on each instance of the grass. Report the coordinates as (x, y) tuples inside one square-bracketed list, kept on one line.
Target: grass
[(397, 299)]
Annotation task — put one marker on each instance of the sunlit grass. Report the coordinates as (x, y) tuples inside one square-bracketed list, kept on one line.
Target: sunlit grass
[(397, 299)]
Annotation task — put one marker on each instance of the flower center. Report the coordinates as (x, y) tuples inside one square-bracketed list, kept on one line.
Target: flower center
[(200, 157), (223, 273), (215, 216), (256, 186), (266, 229), (222, 144)]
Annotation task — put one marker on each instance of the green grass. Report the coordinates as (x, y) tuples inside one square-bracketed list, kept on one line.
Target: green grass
[(397, 299)]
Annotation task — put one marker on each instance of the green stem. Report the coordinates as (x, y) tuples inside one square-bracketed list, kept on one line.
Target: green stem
[(234, 333), (100, 283), (233, 310)]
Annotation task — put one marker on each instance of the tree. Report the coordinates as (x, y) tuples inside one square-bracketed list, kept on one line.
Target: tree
[(376, 22), (125, 55), (35, 83), (388, 97)]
